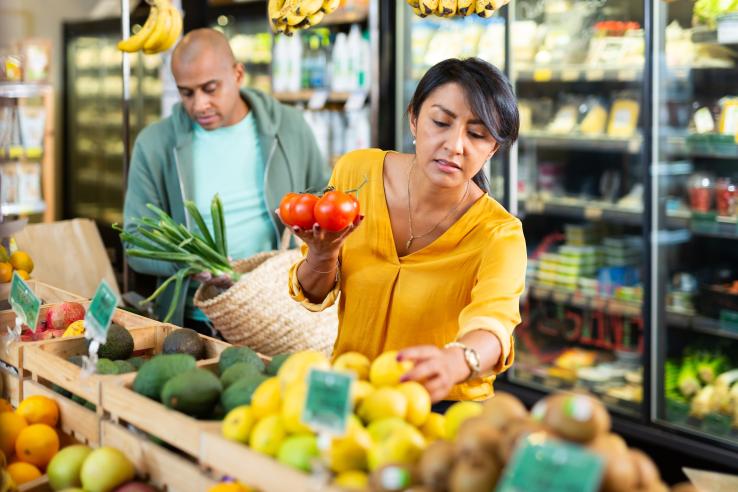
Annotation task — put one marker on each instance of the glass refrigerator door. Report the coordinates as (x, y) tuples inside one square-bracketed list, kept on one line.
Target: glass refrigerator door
[(578, 69), (423, 42), (694, 215)]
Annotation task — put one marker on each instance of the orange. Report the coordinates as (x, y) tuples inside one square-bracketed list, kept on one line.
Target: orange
[(23, 472), (20, 260), (5, 406), (39, 409), (6, 272), (37, 444), (11, 424), (23, 274)]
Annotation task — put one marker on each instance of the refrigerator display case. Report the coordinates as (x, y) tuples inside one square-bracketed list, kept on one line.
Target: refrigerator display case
[(694, 197)]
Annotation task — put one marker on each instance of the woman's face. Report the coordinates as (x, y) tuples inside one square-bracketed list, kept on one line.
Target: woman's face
[(452, 143)]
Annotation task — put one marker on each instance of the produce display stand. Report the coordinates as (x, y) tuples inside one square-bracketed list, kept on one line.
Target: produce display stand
[(47, 293), (10, 386)]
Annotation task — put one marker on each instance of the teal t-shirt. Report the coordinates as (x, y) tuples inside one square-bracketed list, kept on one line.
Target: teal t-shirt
[(229, 161)]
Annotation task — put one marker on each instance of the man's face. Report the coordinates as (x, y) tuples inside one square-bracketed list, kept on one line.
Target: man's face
[(209, 88)]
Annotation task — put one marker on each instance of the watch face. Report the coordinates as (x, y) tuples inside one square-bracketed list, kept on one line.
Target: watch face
[(473, 359)]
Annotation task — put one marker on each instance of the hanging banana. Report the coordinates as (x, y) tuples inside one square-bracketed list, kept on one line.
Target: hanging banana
[(465, 7), (451, 8), (159, 33), (287, 16)]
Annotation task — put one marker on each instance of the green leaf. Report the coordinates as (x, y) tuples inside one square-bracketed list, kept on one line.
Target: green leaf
[(200, 222)]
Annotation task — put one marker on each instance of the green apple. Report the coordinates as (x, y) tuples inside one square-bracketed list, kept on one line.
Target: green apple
[(65, 467), (105, 469)]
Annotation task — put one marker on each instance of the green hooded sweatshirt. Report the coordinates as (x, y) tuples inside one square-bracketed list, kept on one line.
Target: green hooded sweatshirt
[(293, 163)]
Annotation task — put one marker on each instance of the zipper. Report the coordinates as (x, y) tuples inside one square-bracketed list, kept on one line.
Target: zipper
[(264, 185), (181, 188)]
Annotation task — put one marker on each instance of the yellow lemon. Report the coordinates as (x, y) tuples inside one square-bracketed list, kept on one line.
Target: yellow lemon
[(359, 391), (266, 399), (458, 413), (23, 274), (434, 427), (352, 480), (386, 370), (354, 362), (418, 402), (404, 446), (350, 452), (21, 261), (267, 435), (297, 366), (383, 403), (38, 409), (380, 430), (238, 423), (292, 405)]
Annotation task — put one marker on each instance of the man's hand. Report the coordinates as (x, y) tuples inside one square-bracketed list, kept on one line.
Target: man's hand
[(222, 281)]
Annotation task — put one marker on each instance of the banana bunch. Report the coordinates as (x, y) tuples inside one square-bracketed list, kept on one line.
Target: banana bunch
[(287, 16), (160, 31), (460, 8)]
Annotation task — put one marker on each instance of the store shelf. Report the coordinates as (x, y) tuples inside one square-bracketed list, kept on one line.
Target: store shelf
[(582, 142), (699, 324), (23, 208), (346, 16), (22, 89), (574, 298), (579, 73), (306, 95), (577, 208), (723, 227)]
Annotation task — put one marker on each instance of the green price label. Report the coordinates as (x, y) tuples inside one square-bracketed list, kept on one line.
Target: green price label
[(541, 465), (25, 304), (328, 401), (100, 313)]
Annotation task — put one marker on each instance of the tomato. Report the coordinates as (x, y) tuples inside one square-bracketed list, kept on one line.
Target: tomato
[(285, 207), (301, 211), (336, 210)]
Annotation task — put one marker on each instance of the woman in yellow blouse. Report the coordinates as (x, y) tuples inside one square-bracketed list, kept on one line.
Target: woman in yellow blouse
[(435, 266)]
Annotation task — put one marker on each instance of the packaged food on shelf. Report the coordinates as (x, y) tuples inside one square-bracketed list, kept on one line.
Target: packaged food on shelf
[(623, 121)]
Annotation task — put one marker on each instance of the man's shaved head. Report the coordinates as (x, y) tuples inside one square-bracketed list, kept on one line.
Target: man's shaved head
[(209, 78)]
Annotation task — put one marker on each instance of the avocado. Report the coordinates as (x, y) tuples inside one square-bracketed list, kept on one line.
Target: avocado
[(106, 366), (117, 346), (124, 367), (231, 355), (239, 370), (195, 392), (239, 393), (184, 341), (276, 362), (153, 375), (137, 362), (77, 360)]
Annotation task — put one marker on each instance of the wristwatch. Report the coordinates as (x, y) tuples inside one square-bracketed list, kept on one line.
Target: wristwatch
[(471, 356)]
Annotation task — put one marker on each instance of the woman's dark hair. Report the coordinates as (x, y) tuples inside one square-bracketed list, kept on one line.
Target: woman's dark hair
[(488, 91)]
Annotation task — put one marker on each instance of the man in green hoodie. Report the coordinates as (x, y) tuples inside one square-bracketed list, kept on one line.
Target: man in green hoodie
[(240, 143)]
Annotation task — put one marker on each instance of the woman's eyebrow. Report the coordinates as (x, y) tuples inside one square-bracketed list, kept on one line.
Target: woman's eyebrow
[(476, 121)]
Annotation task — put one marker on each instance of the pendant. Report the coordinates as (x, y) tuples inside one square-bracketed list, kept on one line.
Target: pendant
[(409, 242)]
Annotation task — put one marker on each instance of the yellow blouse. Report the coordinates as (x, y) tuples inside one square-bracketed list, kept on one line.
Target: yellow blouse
[(470, 278)]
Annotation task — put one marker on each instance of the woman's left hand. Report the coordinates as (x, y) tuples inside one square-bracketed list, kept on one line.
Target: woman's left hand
[(436, 369)]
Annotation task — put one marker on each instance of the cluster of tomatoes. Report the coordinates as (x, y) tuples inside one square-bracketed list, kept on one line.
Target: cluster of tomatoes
[(334, 211)]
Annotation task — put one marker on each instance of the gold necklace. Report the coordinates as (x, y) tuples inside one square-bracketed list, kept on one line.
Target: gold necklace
[(413, 237)]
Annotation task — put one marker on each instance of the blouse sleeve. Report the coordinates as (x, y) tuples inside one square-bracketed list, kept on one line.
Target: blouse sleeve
[(495, 298), (298, 294)]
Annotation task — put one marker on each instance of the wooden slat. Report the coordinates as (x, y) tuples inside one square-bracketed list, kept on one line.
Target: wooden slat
[(11, 387), (41, 484), (163, 468), (47, 293)]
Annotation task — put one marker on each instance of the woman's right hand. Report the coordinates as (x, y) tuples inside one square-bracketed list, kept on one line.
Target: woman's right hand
[(323, 245)]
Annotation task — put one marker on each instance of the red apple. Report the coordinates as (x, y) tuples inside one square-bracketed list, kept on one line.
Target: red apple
[(59, 316)]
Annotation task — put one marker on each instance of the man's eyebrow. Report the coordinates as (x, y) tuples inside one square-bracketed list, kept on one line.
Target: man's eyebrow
[(182, 87)]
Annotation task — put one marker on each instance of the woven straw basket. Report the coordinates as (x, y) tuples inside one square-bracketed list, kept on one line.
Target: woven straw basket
[(258, 312)]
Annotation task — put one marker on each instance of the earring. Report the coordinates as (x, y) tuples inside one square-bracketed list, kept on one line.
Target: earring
[(414, 141)]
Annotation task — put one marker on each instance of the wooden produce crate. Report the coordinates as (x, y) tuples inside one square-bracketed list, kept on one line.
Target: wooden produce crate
[(47, 293), (10, 386), (46, 361), (160, 467), (252, 468)]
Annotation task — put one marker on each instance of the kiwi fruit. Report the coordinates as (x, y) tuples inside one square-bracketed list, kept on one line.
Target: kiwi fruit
[(472, 477), (646, 472), (435, 465), (391, 478), (619, 473), (513, 433), (477, 439), (608, 444), (576, 418), (502, 409)]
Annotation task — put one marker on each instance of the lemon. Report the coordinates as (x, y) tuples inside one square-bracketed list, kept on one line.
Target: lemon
[(418, 402), (75, 329), (387, 371), (434, 427), (383, 403), (267, 435), (352, 480), (404, 446), (21, 261), (238, 423), (354, 362), (266, 399), (380, 430), (350, 452), (458, 413), (297, 366), (359, 391), (299, 452), (292, 406)]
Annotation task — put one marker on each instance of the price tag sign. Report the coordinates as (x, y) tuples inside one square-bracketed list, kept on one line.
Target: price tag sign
[(551, 466), (25, 304), (355, 101), (100, 313), (317, 100), (328, 401)]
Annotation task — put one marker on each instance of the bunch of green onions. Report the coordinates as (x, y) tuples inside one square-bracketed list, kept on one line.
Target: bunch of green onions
[(166, 240)]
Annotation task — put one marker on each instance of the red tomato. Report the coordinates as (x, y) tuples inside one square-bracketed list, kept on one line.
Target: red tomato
[(301, 211), (285, 207), (336, 210)]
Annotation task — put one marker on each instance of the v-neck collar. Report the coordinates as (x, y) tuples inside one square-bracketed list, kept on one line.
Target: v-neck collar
[(388, 222)]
